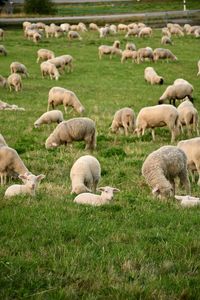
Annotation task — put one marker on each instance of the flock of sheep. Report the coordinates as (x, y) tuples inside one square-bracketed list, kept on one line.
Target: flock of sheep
[(161, 167)]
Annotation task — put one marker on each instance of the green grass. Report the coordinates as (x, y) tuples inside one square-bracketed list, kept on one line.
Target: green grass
[(136, 247)]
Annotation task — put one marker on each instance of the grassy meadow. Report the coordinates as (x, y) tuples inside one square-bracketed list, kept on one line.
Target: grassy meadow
[(136, 247)]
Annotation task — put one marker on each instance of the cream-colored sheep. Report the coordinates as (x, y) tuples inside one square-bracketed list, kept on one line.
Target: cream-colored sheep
[(130, 46), (28, 188), (105, 50), (68, 61), (93, 26), (129, 54), (152, 77), (82, 27), (122, 27), (49, 69), (58, 62), (53, 116), (191, 149), (40, 25), (76, 129), (37, 37), (166, 40), (44, 54), (188, 201), (2, 34), (198, 65), (188, 116), (85, 174), (103, 31), (176, 92), (132, 32), (3, 50), (74, 35), (176, 31), (58, 96), (160, 169), (161, 53), (14, 81), (49, 31), (17, 67), (65, 27), (145, 32), (166, 32), (123, 118), (97, 200), (158, 116), (144, 53)]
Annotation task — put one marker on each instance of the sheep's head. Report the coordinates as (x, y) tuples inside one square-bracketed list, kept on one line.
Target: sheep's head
[(51, 143), (81, 188), (107, 192), (31, 181)]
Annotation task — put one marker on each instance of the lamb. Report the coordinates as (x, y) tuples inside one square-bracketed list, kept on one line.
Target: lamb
[(2, 33), (146, 31), (130, 46), (3, 50), (144, 53), (166, 40), (161, 53), (114, 49), (103, 31), (44, 54), (191, 150), (10, 163), (6, 106), (14, 81), (17, 67), (152, 77), (2, 141), (176, 91), (97, 200), (59, 95), (198, 64), (125, 118), (85, 174), (188, 115), (160, 169), (50, 69), (182, 81), (158, 116), (82, 27), (54, 116), (49, 31), (28, 188), (76, 129), (74, 35), (188, 201), (129, 54)]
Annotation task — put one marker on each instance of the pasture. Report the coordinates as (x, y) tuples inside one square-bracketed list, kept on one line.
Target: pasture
[(137, 247)]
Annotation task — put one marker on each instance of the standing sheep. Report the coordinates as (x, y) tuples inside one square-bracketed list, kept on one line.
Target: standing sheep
[(125, 118), (85, 174), (44, 54), (76, 129), (50, 69), (161, 53), (58, 96), (146, 31), (14, 81), (129, 54), (53, 116), (160, 169), (152, 77), (188, 115), (17, 67), (145, 53), (176, 92), (74, 35), (166, 40)]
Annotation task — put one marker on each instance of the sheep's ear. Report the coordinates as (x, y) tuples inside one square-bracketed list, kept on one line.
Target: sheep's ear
[(115, 190), (156, 191), (40, 177), (21, 176)]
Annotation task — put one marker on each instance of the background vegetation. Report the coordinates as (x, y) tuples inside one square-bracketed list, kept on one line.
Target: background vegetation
[(136, 247)]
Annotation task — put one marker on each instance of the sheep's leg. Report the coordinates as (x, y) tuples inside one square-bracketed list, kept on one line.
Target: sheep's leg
[(198, 170), (125, 128), (192, 174), (153, 134), (184, 181)]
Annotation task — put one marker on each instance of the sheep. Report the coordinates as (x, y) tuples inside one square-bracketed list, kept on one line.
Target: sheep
[(44, 54), (176, 31), (158, 116), (161, 53), (36, 37), (40, 25), (29, 33), (68, 61), (54, 116), (59, 95), (144, 53), (198, 65), (2, 33), (97, 200), (176, 91), (6, 106), (28, 188), (132, 32), (114, 49), (50, 69), (130, 46), (26, 24), (58, 62), (65, 27), (3, 81), (188, 201), (76, 129), (10, 163), (2, 141), (93, 26), (191, 149), (14, 81), (166, 40), (17, 67), (166, 32), (85, 174), (129, 54), (160, 169), (74, 35), (113, 29), (103, 31), (122, 27), (82, 27), (3, 50), (182, 81), (49, 31), (125, 118), (146, 31), (152, 77), (188, 115)]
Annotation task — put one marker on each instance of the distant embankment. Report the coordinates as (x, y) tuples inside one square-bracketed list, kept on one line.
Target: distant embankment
[(154, 19)]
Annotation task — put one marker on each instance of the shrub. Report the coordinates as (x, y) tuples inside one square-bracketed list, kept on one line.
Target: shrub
[(39, 7)]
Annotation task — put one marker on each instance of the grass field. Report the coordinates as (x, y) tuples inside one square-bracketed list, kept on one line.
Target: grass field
[(136, 247)]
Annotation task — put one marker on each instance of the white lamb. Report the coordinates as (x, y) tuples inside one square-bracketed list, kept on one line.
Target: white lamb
[(44, 54), (53, 116), (152, 77), (28, 188), (188, 116), (188, 201), (97, 200), (17, 67), (14, 81), (49, 69), (145, 32), (158, 116), (124, 118), (85, 174)]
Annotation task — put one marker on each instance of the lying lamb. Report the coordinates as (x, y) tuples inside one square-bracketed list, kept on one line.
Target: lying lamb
[(152, 77), (97, 200), (188, 115), (129, 54), (188, 201), (76, 129), (160, 169), (85, 174), (17, 67), (6, 106), (124, 118), (28, 188), (53, 116)]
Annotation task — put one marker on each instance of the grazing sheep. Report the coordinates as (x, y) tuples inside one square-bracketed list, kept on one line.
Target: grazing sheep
[(74, 35), (58, 96), (58, 62), (176, 91), (114, 49), (97, 200), (152, 77), (76, 129), (122, 27), (10, 163), (160, 169), (188, 201), (50, 69), (85, 174), (93, 26), (158, 116), (161, 53), (14, 81), (191, 149), (2, 141), (129, 54), (166, 40), (103, 31), (188, 115), (44, 54), (68, 61), (166, 32), (182, 81), (53, 116), (124, 118), (3, 81), (132, 32), (82, 27), (3, 50), (198, 64), (36, 37), (28, 188), (146, 31), (65, 27), (17, 67), (2, 33), (176, 31), (145, 53), (130, 46)]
